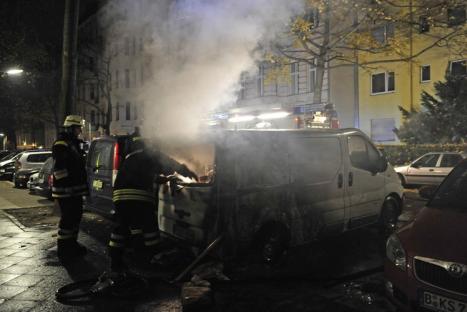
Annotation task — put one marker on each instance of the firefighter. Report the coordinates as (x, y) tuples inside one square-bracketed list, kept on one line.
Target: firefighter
[(135, 201), (69, 187)]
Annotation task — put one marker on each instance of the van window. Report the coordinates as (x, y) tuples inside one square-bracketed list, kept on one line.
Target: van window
[(362, 154), (260, 160), (38, 158), (101, 155), (315, 160)]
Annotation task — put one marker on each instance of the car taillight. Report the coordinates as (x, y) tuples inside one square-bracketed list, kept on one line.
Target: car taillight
[(50, 180), (116, 163)]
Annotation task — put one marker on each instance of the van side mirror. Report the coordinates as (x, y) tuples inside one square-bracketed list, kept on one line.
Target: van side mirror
[(427, 191)]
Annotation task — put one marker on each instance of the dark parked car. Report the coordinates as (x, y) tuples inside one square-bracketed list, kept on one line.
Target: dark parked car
[(7, 166), (42, 184), (426, 264)]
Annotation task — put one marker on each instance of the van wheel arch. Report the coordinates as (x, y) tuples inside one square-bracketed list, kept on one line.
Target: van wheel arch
[(271, 242), (403, 180)]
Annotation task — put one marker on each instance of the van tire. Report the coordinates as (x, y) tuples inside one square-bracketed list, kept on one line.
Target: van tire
[(389, 215), (272, 243)]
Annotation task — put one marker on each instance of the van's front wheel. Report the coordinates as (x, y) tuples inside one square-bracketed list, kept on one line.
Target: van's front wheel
[(272, 244), (389, 215)]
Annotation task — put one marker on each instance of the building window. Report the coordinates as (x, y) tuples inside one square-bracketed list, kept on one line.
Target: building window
[(243, 84), (294, 78), (134, 46), (383, 33), (128, 111), (91, 91), (423, 25), (93, 117), (260, 80), (135, 117), (456, 15), (140, 44), (142, 74), (117, 112), (425, 73), (382, 82), (458, 67), (311, 79), (127, 46), (117, 79), (127, 78), (382, 130)]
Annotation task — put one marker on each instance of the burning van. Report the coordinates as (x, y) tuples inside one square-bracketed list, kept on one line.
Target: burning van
[(273, 189)]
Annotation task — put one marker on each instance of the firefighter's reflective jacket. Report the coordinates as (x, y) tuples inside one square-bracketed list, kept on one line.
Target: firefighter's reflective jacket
[(69, 173), (135, 177)]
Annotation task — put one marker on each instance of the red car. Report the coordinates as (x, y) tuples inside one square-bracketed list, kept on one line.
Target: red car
[(426, 261)]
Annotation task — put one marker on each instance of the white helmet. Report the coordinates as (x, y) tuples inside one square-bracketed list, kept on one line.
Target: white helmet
[(72, 120)]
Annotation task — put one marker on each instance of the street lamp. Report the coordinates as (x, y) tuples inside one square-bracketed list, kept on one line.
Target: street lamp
[(14, 71)]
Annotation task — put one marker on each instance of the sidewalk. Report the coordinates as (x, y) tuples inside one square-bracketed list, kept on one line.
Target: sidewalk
[(30, 272)]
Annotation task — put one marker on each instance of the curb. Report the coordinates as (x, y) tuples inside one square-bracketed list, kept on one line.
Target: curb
[(14, 220)]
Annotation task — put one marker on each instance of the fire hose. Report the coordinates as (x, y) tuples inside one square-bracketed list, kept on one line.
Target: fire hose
[(129, 286)]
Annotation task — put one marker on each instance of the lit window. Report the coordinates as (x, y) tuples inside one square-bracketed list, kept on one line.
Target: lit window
[(382, 82), (425, 73)]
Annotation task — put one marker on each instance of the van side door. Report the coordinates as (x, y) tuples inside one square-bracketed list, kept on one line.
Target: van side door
[(316, 165), (365, 185), (99, 168)]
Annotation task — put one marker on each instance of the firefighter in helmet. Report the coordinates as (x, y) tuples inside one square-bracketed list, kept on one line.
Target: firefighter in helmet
[(69, 187), (135, 200)]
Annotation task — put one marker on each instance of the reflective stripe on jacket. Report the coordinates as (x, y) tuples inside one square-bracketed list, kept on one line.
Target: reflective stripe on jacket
[(133, 194)]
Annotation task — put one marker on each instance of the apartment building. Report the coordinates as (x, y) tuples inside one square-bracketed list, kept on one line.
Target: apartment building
[(392, 81)]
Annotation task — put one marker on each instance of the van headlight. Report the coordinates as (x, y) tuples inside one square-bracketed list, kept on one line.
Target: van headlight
[(395, 252)]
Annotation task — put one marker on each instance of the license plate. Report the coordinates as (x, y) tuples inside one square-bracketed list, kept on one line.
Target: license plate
[(442, 304)]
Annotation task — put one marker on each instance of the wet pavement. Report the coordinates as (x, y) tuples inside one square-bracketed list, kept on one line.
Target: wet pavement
[(337, 275)]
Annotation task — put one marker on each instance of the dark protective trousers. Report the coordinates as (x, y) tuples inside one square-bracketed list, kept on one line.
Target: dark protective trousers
[(71, 209), (133, 217)]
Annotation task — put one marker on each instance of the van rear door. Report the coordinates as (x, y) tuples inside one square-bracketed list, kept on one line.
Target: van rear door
[(185, 207), (99, 168)]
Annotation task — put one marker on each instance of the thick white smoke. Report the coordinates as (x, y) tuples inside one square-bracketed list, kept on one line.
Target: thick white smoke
[(199, 49)]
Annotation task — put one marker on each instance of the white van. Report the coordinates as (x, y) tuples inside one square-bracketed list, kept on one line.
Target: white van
[(275, 189)]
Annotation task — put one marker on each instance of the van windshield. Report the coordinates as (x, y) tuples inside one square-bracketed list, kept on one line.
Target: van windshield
[(452, 193)]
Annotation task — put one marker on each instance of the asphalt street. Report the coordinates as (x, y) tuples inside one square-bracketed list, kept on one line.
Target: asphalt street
[(337, 275)]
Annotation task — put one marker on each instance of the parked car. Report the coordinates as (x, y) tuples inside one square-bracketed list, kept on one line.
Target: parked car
[(429, 169), (276, 189), (42, 183), (32, 182), (426, 264), (7, 167), (27, 163)]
